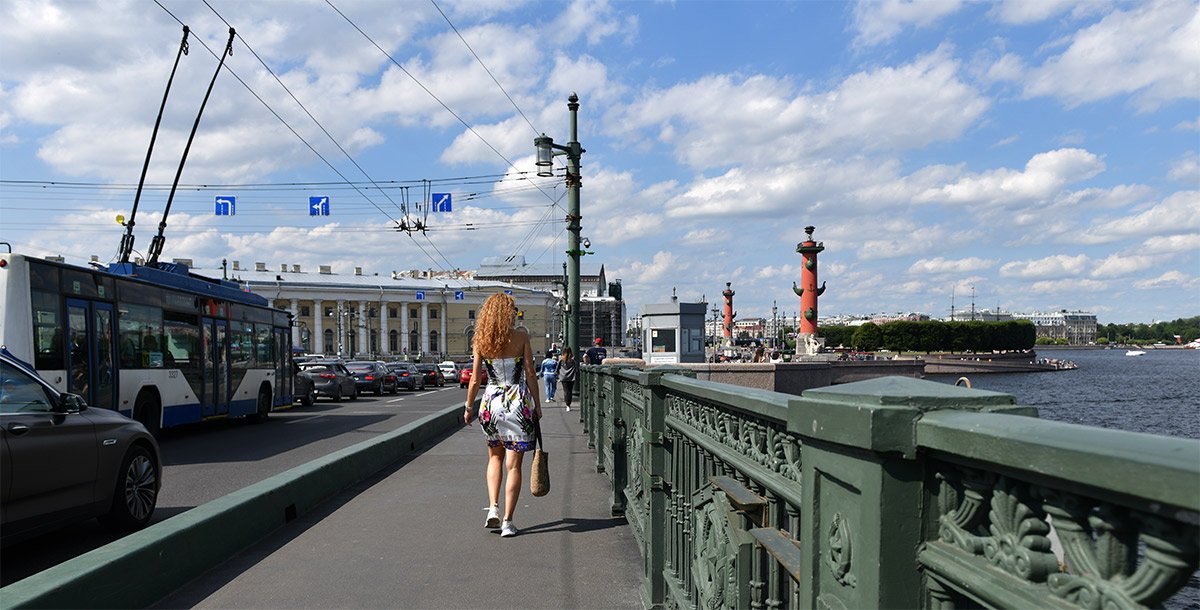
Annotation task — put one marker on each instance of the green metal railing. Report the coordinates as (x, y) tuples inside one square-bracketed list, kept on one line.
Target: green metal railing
[(887, 493)]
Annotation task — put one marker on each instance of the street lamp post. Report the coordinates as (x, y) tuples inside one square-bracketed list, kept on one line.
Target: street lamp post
[(774, 324), (546, 150)]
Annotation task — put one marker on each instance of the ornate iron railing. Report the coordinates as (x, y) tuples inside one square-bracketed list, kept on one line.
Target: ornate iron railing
[(892, 492)]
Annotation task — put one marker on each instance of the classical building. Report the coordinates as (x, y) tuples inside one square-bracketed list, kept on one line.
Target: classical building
[(393, 316), (1077, 327)]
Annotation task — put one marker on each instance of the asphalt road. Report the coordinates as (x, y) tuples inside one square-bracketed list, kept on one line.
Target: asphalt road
[(206, 461)]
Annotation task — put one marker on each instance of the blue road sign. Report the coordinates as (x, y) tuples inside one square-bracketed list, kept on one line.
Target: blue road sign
[(318, 206), (420, 295), (226, 206), (507, 292), (441, 202), (460, 295)]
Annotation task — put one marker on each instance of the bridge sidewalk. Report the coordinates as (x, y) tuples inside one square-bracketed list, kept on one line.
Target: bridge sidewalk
[(413, 537)]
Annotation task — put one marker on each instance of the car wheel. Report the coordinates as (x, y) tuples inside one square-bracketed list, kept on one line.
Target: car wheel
[(264, 406), (379, 390), (337, 394), (395, 388), (354, 394), (136, 492), (147, 410), (308, 399)]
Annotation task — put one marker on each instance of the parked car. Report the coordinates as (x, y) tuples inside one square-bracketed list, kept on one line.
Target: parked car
[(449, 369), (464, 376), (433, 375), (407, 375), (64, 461), (331, 378), (303, 388), (372, 377)]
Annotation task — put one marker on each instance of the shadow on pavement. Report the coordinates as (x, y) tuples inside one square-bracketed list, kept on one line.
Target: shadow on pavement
[(576, 526)]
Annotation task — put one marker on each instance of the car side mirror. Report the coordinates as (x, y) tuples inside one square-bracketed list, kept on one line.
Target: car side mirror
[(72, 403)]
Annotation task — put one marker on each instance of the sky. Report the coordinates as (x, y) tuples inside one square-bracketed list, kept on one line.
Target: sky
[(1039, 154)]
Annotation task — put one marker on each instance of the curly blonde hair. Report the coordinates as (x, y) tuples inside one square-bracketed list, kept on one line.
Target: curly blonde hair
[(494, 324)]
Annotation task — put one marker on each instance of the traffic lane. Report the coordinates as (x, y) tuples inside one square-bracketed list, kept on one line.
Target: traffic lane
[(239, 454)]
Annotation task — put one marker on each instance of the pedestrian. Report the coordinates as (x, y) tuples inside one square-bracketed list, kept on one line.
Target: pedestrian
[(776, 357), (509, 407), (596, 353), (760, 355), (549, 370), (568, 372)]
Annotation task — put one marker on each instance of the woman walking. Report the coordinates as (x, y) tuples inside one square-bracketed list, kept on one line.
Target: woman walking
[(568, 372), (509, 406)]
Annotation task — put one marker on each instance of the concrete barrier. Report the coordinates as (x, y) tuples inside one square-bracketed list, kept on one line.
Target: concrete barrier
[(145, 566)]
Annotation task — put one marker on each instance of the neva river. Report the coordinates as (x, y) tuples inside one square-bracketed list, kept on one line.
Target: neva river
[(1158, 393)]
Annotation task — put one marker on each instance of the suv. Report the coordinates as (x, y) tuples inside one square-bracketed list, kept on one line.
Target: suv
[(66, 462), (330, 378), (407, 375)]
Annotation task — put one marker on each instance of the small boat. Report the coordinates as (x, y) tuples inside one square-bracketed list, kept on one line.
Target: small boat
[(1135, 352)]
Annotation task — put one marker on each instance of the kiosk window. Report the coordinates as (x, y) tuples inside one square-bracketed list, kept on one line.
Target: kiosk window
[(662, 340)]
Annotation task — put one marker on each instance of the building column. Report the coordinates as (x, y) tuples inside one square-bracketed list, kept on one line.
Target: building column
[(403, 328), (364, 340), (340, 328), (294, 308), (383, 328), (318, 333), (442, 331), (424, 327)]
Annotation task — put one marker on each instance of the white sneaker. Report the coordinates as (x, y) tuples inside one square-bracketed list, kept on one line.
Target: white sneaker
[(508, 530), (493, 518), (568, 407)]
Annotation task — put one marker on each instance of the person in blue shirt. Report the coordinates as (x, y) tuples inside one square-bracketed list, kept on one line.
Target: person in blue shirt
[(549, 370), (595, 354)]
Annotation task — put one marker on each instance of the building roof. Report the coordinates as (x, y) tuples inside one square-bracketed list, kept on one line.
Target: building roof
[(515, 266), (286, 279)]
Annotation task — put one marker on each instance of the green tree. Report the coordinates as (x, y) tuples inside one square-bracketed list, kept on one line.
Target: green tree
[(868, 337)]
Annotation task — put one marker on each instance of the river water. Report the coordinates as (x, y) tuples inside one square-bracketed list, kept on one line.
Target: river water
[(1158, 393)]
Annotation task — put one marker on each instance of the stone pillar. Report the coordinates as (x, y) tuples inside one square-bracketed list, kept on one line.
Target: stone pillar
[(294, 307), (807, 341), (442, 330), (730, 314), (424, 347), (318, 331), (383, 328), (403, 328), (341, 328), (364, 343)]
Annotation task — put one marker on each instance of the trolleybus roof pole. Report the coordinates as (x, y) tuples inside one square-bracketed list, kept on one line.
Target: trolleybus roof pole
[(127, 239), (156, 244)]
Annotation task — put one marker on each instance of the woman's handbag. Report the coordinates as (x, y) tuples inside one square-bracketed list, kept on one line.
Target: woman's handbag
[(539, 478)]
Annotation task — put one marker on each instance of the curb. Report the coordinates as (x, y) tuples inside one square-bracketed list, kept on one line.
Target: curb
[(145, 566)]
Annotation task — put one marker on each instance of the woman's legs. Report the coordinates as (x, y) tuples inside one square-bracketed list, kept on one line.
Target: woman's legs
[(567, 387), (512, 486), (494, 470), (550, 386)]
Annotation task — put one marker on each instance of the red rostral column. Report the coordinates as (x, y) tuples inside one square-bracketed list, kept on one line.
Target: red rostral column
[(808, 291), (729, 313)]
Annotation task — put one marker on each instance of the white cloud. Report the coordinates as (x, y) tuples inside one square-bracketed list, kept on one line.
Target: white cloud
[(1068, 286), (1149, 51), (1168, 279), (1189, 125), (1186, 169), (1122, 264), (1044, 175), (1178, 213), (880, 21), (700, 236), (1057, 266), (942, 265), (1173, 244), (647, 272), (1021, 12)]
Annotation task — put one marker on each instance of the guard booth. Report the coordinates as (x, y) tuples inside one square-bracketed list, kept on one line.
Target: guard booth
[(673, 333)]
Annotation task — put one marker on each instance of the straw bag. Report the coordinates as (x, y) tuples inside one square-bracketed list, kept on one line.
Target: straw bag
[(539, 478)]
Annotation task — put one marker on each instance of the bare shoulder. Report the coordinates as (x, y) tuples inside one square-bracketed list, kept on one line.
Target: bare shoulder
[(520, 334)]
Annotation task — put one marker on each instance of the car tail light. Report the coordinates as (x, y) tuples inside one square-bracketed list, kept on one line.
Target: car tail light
[(369, 378), (404, 374), (328, 376)]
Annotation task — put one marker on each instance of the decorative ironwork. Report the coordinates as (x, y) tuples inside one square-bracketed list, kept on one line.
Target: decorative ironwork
[(838, 558), (715, 552)]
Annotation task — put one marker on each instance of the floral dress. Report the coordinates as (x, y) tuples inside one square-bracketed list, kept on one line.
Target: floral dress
[(506, 412)]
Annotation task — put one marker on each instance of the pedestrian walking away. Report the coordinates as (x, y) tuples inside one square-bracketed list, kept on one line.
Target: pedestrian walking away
[(568, 372), (549, 370), (596, 353), (509, 406)]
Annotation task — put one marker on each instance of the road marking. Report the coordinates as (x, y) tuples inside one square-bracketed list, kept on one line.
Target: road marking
[(395, 400)]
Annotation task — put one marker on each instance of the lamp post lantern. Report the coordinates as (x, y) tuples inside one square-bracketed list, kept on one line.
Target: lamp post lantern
[(546, 150), (774, 324)]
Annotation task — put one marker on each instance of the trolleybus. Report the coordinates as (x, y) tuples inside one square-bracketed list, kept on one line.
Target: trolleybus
[(159, 344)]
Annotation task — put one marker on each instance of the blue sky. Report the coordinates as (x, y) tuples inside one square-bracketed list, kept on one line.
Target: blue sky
[(1045, 153)]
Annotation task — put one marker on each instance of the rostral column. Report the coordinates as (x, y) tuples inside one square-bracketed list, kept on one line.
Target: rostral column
[(729, 313), (807, 342)]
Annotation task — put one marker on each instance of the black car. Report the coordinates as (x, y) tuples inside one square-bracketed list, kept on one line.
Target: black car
[(433, 375), (303, 388), (407, 375), (372, 377), (62, 461), (331, 378)]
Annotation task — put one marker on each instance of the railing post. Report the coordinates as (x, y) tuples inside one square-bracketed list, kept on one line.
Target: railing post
[(863, 513), (618, 470), (655, 591)]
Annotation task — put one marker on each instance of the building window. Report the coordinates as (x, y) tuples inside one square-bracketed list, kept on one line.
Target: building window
[(374, 341), (393, 312), (372, 312), (412, 313), (328, 312), (305, 310), (433, 341), (471, 340), (328, 347), (470, 314), (393, 341), (414, 341), (433, 314)]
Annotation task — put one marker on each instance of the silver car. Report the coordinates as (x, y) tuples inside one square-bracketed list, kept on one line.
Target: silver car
[(62, 461)]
